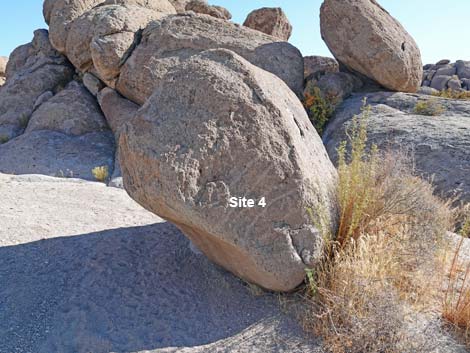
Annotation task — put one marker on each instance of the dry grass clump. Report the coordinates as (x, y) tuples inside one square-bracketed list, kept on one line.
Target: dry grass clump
[(381, 271), (101, 173), (453, 94), (456, 306), (429, 107)]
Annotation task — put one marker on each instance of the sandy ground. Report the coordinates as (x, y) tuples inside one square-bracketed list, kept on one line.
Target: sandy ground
[(85, 269)]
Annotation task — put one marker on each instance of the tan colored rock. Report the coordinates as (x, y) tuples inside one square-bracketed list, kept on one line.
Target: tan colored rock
[(3, 65), (163, 6), (60, 14), (18, 59), (117, 110), (176, 37), (319, 65), (180, 5), (73, 111), (272, 21), (233, 130), (202, 7), (367, 39), (102, 37)]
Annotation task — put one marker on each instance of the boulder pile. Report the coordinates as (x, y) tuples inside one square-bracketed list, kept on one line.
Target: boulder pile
[(446, 75), (3, 68)]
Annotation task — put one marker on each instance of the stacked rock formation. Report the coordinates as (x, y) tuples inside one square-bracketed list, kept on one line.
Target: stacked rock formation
[(203, 111), (272, 21), (446, 75), (3, 67)]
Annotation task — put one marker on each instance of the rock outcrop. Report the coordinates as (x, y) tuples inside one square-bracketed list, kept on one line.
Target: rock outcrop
[(233, 130), (174, 38), (270, 20), (439, 144), (202, 7), (446, 75), (3, 69), (73, 111), (316, 66), (367, 39), (33, 70)]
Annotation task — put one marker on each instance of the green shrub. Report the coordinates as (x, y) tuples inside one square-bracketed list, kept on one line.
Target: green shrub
[(101, 173), (4, 139), (320, 108), (429, 107)]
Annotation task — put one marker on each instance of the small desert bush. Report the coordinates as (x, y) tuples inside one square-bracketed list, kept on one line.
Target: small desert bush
[(320, 108), (4, 139), (381, 270), (101, 173), (429, 107), (453, 94)]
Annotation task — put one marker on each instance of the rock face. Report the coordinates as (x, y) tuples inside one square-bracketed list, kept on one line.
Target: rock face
[(202, 7), (180, 5), (60, 14), (174, 38), (367, 39), (73, 111), (272, 21), (101, 38), (315, 66), (34, 69), (440, 144), (233, 130), (446, 75)]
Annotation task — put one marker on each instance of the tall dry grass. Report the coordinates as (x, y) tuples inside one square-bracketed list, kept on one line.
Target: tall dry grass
[(382, 270)]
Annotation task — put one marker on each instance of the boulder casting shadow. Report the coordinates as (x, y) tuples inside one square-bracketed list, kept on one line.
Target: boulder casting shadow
[(122, 290)]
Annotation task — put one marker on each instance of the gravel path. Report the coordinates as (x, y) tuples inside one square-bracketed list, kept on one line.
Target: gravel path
[(85, 269)]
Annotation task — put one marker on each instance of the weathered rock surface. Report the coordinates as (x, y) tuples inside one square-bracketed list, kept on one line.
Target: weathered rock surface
[(174, 38), (367, 39), (93, 84), (56, 154), (270, 20), (73, 111), (42, 70), (440, 144), (203, 7), (102, 37), (180, 5), (3, 66), (163, 6), (60, 14), (446, 75), (232, 130), (316, 66), (117, 110)]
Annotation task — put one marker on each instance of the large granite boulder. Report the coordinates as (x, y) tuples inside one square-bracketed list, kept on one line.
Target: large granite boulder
[(216, 128), (316, 66), (34, 70), (60, 14), (73, 111), (439, 144), (176, 37), (3, 67), (270, 20), (101, 38), (367, 39)]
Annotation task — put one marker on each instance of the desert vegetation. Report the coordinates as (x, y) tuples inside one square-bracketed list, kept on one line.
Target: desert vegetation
[(429, 107), (453, 94), (101, 173), (320, 108), (385, 268)]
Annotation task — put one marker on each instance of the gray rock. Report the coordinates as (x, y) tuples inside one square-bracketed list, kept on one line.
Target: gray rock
[(367, 39), (440, 144), (270, 20), (448, 70), (233, 130), (443, 62), (56, 154), (440, 82), (44, 70), (43, 98), (428, 91), (93, 84), (317, 66), (466, 83), (454, 84), (18, 59), (176, 37), (73, 111), (463, 69)]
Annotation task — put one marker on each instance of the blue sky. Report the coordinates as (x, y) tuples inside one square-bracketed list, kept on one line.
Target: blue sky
[(441, 29)]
